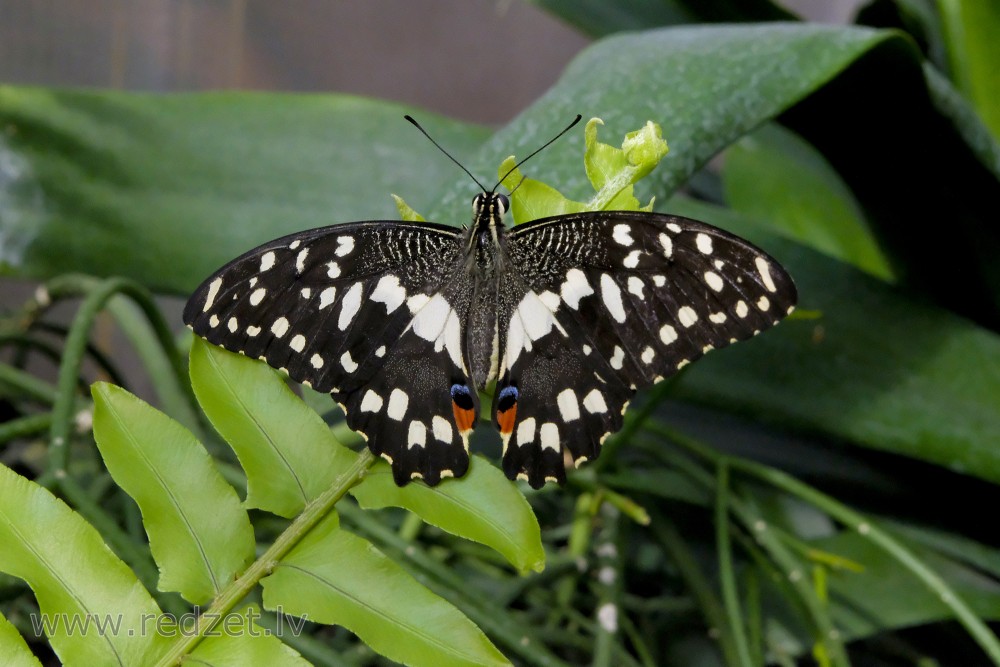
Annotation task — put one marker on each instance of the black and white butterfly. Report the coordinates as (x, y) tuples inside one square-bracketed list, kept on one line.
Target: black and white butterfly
[(404, 323)]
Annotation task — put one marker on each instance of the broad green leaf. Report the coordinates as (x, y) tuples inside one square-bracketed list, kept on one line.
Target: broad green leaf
[(96, 610), (879, 368), (286, 449), (13, 648), (971, 28), (600, 17), (166, 188), (484, 506), (774, 176), (199, 535), (705, 86), (335, 577), (238, 641), (886, 596)]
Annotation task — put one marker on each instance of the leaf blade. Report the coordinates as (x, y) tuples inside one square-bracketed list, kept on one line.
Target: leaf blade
[(277, 438), (484, 507), (333, 576), (173, 479), (75, 577)]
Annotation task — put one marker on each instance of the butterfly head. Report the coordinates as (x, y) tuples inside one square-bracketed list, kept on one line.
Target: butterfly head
[(490, 207)]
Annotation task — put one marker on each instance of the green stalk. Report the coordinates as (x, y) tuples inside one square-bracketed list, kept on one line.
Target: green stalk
[(856, 521), (27, 384), (696, 582), (727, 576), (231, 595), (23, 426), (785, 560)]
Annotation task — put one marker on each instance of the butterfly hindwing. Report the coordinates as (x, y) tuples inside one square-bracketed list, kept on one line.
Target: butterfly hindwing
[(636, 297), (351, 310)]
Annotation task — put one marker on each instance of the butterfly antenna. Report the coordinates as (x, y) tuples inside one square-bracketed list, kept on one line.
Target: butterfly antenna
[(460, 165), (536, 152)]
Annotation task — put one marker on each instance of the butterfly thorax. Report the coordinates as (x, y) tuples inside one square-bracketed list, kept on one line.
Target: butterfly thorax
[(484, 263)]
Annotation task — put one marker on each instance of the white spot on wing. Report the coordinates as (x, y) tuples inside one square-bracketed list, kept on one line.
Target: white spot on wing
[(704, 243), (280, 327), (718, 318), (300, 260), (417, 434), (345, 245), (635, 286), (266, 261), (327, 296), (713, 280), (741, 308), (332, 270), (594, 402), (431, 317), (569, 408), (316, 361), (668, 334), (233, 324), (526, 431), (306, 292), (349, 306), (575, 288), (380, 352), (621, 235), (348, 362), (390, 292), (535, 316), (257, 296), (298, 343), (213, 321), (398, 401), (213, 291), (763, 303), (674, 227), (764, 269), (632, 259), (442, 428), (253, 331), (372, 402), (549, 434), (295, 244), (686, 316), (617, 358), (668, 244), (612, 297), (647, 355), (550, 299)]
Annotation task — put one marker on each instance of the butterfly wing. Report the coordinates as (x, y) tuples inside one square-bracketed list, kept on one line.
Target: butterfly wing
[(367, 312), (618, 301)]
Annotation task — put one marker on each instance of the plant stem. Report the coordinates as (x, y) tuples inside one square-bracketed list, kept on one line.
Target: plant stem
[(727, 576), (855, 521), (230, 596)]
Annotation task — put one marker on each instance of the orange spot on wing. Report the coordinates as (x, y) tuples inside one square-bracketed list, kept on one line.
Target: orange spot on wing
[(506, 419), (464, 418)]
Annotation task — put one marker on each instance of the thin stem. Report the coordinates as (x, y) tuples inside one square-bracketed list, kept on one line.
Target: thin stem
[(856, 521), (24, 426), (727, 575), (696, 582), (228, 598)]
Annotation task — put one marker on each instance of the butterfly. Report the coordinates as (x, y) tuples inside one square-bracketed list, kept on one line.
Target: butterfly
[(404, 323)]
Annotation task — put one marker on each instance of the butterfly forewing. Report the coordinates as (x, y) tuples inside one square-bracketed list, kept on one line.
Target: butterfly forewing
[(367, 312), (633, 297)]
